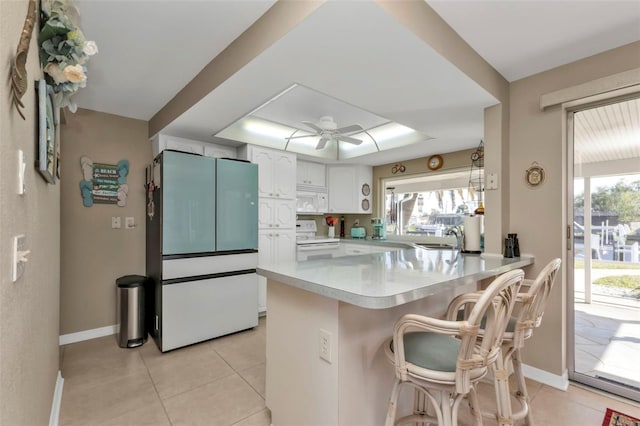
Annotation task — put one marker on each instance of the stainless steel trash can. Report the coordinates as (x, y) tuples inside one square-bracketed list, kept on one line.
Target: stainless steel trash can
[(130, 311)]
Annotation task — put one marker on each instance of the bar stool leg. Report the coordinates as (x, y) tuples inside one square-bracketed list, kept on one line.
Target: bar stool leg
[(522, 394), (503, 397)]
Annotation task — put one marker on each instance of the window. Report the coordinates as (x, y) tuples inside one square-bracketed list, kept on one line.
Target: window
[(428, 205)]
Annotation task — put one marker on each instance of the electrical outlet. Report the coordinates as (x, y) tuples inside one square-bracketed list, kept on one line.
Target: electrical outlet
[(115, 222), (325, 345)]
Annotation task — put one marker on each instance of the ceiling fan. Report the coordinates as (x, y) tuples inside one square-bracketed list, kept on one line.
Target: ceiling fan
[(328, 130)]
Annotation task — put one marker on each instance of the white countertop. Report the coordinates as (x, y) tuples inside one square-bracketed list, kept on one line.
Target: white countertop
[(385, 280)]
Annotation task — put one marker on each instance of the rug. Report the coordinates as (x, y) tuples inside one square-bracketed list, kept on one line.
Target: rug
[(615, 418)]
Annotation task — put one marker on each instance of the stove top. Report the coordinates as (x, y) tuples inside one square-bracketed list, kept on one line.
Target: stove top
[(306, 234)]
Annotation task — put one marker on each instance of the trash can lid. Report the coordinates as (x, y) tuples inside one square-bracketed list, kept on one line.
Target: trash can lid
[(130, 281)]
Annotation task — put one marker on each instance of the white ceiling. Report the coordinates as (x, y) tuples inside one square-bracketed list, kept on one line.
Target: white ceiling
[(350, 50)]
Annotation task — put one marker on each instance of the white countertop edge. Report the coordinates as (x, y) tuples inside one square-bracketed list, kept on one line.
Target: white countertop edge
[(391, 301)]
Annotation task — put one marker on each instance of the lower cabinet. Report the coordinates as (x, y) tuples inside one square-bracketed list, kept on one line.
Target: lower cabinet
[(273, 246)]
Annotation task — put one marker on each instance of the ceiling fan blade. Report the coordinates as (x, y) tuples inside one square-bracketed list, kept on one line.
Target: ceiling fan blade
[(301, 136), (348, 139), (322, 142), (349, 129), (314, 126)]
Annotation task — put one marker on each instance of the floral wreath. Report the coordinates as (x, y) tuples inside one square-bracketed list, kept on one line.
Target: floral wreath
[(64, 51)]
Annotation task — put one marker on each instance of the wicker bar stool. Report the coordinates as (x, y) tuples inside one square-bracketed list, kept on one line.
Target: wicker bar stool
[(530, 307), (442, 360)]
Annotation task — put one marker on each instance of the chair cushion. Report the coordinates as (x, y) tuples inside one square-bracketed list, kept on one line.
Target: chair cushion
[(431, 351)]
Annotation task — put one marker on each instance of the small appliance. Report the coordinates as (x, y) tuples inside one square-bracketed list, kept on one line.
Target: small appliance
[(358, 232), (379, 228)]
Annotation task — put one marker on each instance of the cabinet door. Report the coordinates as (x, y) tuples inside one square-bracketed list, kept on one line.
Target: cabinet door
[(342, 187), (284, 168), (266, 213), (285, 214), (265, 246), (316, 174), (266, 254), (285, 245), (265, 161), (188, 203)]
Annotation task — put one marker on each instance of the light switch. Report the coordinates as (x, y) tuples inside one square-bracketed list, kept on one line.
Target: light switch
[(22, 166), (115, 222), (129, 223), (492, 181), (19, 254)]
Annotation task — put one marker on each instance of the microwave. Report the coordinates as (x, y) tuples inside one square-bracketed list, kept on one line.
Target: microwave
[(312, 202)]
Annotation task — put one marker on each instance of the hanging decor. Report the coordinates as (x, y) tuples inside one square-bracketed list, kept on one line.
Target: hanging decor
[(64, 51), (19, 69), (476, 176), (534, 175), (104, 183)]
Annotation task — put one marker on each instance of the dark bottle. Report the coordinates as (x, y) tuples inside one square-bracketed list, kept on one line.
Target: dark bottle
[(341, 226)]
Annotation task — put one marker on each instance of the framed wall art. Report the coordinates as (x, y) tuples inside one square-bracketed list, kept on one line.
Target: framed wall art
[(48, 120)]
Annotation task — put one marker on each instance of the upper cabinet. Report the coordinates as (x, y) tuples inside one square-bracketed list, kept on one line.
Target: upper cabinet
[(161, 142), (311, 176), (350, 188), (276, 171)]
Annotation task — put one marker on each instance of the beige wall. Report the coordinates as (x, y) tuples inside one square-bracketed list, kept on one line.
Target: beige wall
[(93, 254), (537, 214), (29, 308)]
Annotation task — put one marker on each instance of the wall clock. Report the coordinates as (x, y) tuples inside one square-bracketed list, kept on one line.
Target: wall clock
[(434, 162), (534, 175)]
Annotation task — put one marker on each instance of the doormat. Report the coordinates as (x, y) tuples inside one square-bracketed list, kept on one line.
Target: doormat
[(615, 418)]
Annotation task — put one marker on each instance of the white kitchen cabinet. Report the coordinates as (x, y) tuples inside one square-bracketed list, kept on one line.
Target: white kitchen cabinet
[(276, 171), (311, 176), (276, 213), (346, 184), (274, 245), (276, 208), (161, 142)]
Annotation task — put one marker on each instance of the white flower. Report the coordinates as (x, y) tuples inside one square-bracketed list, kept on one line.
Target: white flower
[(90, 48), (53, 69), (75, 73)]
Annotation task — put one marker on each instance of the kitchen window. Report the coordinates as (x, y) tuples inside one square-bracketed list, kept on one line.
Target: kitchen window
[(428, 205)]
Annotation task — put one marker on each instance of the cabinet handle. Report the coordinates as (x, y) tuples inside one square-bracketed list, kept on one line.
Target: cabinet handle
[(271, 225), (271, 194), (277, 235), (277, 225), (277, 195)]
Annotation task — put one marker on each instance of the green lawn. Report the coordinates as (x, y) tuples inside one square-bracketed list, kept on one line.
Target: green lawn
[(624, 281), (599, 264)]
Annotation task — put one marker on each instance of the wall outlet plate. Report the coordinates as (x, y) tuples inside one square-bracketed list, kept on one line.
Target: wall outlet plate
[(115, 222), (325, 345)]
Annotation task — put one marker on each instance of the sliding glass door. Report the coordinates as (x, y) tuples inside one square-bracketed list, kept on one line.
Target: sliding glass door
[(604, 269)]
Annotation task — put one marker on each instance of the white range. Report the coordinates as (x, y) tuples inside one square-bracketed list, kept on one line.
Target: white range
[(310, 246)]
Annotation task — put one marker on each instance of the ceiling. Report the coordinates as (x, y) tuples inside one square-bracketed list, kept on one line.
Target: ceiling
[(351, 51)]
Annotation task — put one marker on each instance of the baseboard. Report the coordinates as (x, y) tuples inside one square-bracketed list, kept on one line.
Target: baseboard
[(553, 380), (65, 339), (54, 417)]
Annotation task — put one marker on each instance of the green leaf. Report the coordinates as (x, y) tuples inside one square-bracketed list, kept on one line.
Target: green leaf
[(52, 28)]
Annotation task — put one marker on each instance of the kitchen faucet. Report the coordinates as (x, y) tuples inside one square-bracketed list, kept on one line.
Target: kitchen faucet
[(458, 231)]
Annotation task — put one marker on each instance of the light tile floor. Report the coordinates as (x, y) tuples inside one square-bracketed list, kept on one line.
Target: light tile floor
[(222, 382)]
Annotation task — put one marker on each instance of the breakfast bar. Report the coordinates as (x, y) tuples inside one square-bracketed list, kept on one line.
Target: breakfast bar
[(329, 318)]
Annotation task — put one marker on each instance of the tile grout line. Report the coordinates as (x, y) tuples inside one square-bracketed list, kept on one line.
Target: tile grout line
[(144, 362)]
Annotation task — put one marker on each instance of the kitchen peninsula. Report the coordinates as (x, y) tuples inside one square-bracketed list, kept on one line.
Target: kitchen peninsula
[(329, 318)]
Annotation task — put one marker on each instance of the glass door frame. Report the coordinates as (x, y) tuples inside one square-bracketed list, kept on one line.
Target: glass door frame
[(569, 110)]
